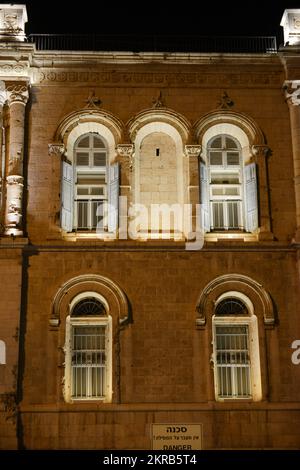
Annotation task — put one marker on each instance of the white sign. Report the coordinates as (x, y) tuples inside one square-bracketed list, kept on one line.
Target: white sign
[(176, 436)]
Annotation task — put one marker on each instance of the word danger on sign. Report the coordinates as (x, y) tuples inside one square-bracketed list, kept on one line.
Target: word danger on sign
[(176, 436)]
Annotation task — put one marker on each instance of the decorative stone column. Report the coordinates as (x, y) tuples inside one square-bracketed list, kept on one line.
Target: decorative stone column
[(3, 97), (192, 152), (260, 153), (17, 99), (292, 91)]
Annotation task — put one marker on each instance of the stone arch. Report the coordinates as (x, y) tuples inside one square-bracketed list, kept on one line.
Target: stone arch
[(234, 282), (84, 121), (159, 115), (222, 117), (105, 287)]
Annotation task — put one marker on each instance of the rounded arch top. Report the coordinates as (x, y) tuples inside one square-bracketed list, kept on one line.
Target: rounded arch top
[(159, 115), (78, 287), (223, 122), (243, 287), (90, 118)]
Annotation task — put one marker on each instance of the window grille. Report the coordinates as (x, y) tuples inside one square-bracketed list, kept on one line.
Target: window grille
[(233, 361)]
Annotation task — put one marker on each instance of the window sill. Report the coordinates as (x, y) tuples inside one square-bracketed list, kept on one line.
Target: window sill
[(230, 236)]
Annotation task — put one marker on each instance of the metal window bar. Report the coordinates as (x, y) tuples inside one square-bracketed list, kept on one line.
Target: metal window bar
[(88, 361), (233, 362), (90, 214), (154, 43)]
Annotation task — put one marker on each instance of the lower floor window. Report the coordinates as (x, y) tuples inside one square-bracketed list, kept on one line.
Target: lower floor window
[(88, 361), (90, 214), (233, 373), (226, 215)]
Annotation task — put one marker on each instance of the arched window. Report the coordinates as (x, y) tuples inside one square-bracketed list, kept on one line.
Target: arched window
[(88, 372), (228, 187), (90, 187), (236, 349)]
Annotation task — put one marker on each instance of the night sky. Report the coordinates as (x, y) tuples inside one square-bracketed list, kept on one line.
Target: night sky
[(111, 17)]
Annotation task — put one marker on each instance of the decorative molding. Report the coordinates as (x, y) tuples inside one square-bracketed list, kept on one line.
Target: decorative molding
[(238, 281), (260, 150), (292, 91), (101, 116), (158, 102), (92, 102), (78, 284), (56, 149), (15, 180), (17, 94), (192, 150), (156, 115), (113, 77), (245, 122), (126, 151), (225, 101)]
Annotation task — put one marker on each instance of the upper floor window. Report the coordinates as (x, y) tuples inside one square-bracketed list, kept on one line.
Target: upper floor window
[(228, 187), (88, 372), (90, 188), (235, 350)]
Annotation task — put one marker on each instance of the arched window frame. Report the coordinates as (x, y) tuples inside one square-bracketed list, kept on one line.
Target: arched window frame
[(226, 211), (250, 322), (248, 208), (95, 321)]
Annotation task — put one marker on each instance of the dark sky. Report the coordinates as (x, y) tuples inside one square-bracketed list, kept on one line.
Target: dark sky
[(242, 17)]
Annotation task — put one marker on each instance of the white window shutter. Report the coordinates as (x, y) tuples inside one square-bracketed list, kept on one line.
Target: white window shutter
[(205, 225), (67, 197), (251, 205), (113, 198)]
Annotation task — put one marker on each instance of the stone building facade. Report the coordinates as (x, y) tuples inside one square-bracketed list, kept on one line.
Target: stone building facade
[(111, 321)]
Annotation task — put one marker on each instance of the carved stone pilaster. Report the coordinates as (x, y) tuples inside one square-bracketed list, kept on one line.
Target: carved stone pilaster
[(126, 151), (56, 149), (13, 216), (260, 153), (17, 94), (192, 150), (292, 93)]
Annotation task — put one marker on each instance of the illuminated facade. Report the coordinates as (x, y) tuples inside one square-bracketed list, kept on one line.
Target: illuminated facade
[(109, 320)]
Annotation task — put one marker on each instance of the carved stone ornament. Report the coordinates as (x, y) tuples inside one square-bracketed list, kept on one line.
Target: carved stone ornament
[(158, 102), (225, 102), (15, 180), (56, 149), (93, 102), (292, 91), (260, 150), (126, 151), (17, 94), (192, 150)]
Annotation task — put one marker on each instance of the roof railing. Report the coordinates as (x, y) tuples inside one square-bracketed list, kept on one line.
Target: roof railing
[(154, 43)]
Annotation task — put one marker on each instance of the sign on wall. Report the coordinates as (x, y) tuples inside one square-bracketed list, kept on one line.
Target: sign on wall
[(174, 436)]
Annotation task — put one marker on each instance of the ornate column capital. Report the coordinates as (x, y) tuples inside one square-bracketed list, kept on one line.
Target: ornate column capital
[(56, 149), (17, 94), (192, 150), (292, 91), (260, 150), (126, 151)]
